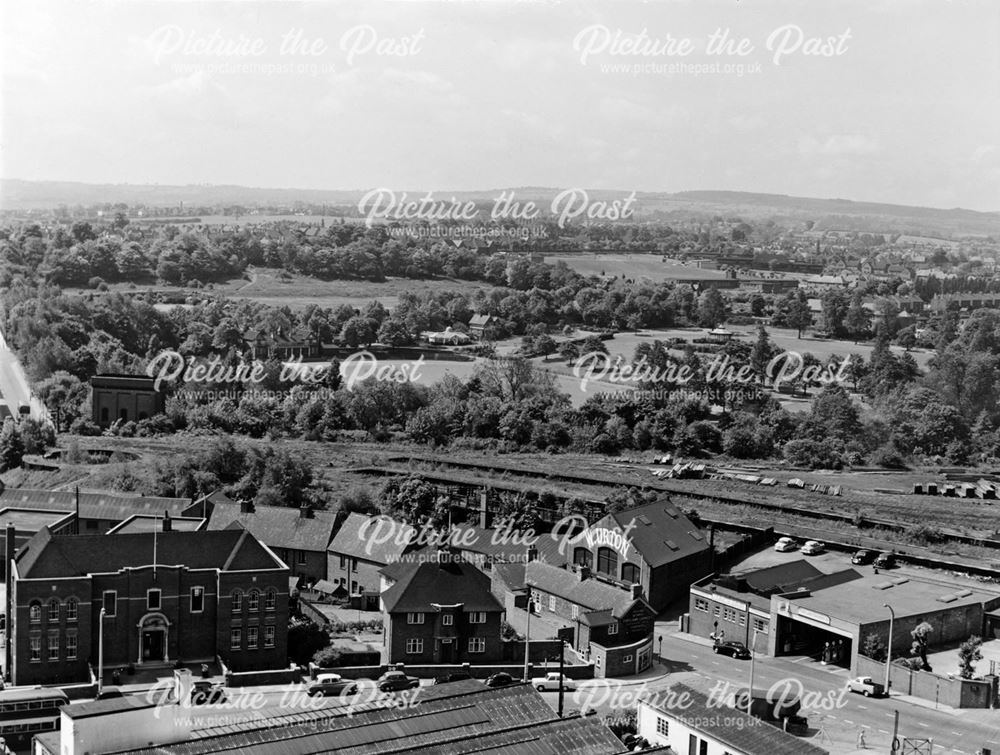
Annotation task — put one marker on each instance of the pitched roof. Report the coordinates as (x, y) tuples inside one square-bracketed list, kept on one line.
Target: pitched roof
[(590, 593), (93, 505), (439, 577), (774, 577), (355, 539), (506, 547), (47, 556), (662, 534), (734, 728), (278, 526)]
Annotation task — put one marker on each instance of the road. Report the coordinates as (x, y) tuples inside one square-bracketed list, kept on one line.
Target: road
[(835, 716), (13, 383)]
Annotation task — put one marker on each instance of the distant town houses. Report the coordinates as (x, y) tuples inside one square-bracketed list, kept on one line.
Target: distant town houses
[(357, 554)]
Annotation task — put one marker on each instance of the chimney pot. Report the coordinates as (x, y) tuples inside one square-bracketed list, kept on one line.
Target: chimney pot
[(583, 572), (246, 506), (167, 523), (305, 511), (637, 591)]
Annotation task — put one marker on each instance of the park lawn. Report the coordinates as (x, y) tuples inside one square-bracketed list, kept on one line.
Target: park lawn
[(649, 266)]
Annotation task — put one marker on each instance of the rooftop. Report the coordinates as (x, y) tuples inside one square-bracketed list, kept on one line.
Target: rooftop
[(662, 534), (279, 526), (355, 538), (150, 523), (438, 578), (592, 594), (93, 505)]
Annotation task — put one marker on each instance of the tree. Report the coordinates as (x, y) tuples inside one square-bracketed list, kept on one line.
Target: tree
[(758, 305), (857, 320), (414, 501), (873, 647), (64, 396), (711, 309), (921, 635), (11, 447), (545, 345), (835, 306), (799, 316), (968, 654), (761, 353), (304, 641)]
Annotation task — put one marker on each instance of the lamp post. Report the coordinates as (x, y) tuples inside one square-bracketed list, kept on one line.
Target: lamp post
[(100, 653), (753, 652), (888, 650), (527, 636), (661, 649)]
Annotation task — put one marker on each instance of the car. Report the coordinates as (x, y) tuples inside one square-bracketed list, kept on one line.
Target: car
[(109, 693), (207, 693), (326, 677), (501, 679), (333, 689), (813, 548), (457, 676), (865, 685), (395, 681), (551, 681), (733, 649), (863, 557), (786, 544), (885, 560)]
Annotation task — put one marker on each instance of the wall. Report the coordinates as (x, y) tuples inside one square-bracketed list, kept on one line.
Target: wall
[(477, 671), (254, 678), (399, 631), (953, 692), (366, 574), (128, 729), (678, 733), (954, 624), (246, 659)]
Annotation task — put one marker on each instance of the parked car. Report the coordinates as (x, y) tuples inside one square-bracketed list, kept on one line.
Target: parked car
[(551, 682), (332, 689), (501, 679), (863, 557), (732, 649), (109, 693), (786, 544), (395, 681), (864, 685), (885, 560), (813, 548), (326, 677), (207, 693), (457, 676)]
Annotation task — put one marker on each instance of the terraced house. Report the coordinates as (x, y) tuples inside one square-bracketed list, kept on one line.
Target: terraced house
[(166, 596)]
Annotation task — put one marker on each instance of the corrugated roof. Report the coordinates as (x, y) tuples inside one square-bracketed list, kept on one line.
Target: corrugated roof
[(93, 505), (279, 526), (71, 555)]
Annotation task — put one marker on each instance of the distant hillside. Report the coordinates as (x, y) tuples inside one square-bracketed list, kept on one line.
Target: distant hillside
[(839, 214)]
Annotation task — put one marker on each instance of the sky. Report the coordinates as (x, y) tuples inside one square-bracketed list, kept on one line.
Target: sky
[(878, 100)]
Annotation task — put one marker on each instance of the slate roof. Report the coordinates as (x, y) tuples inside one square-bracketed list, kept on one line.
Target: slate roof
[(768, 580), (279, 526), (353, 539), (732, 727), (439, 578), (662, 534), (457, 717), (480, 540), (97, 505), (47, 556), (592, 594)]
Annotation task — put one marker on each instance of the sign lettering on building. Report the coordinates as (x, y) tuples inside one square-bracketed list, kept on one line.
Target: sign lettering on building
[(603, 537)]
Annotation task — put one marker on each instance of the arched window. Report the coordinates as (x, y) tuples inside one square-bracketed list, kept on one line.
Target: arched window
[(270, 600), (35, 612), (237, 601), (583, 557), (253, 600), (54, 609), (630, 573), (72, 609), (607, 562)]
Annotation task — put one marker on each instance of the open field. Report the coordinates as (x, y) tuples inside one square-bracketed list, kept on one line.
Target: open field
[(649, 266)]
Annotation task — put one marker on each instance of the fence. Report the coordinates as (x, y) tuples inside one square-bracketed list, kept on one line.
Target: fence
[(944, 690)]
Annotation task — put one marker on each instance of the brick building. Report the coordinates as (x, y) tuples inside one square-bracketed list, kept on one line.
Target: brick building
[(358, 554), (192, 596), (438, 608), (128, 398)]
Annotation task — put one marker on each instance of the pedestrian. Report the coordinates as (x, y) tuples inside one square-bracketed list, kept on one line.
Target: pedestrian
[(862, 745)]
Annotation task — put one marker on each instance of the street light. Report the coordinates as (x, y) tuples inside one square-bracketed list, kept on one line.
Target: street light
[(100, 653), (753, 653), (527, 636), (888, 650)]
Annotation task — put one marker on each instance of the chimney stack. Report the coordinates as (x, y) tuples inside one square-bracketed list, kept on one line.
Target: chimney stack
[(246, 506), (532, 554), (168, 525), (637, 591), (305, 511), (583, 572)]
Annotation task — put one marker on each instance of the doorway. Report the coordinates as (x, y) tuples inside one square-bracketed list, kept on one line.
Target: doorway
[(153, 645)]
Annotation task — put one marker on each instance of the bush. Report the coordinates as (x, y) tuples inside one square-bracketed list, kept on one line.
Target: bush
[(811, 454), (888, 456), (328, 657), (83, 426)]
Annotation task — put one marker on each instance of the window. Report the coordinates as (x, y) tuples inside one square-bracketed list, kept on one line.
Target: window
[(269, 636), (574, 611), (552, 603), (703, 747), (235, 639), (700, 604), (197, 599), (54, 609), (35, 644), (270, 600), (613, 627), (152, 600), (447, 620), (414, 647), (742, 619), (110, 603), (760, 625), (252, 638), (35, 612), (630, 573), (71, 647), (343, 562), (477, 617), (237, 601), (53, 646), (253, 600), (607, 561), (104, 414), (583, 557), (627, 659), (662, 726), (355, 567), (477, 644), (72, 608), (414, 618), (302, 557), (717, 610), (354, 587)]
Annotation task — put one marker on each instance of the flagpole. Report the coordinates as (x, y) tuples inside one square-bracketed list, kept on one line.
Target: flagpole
[(156, 526)]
